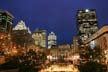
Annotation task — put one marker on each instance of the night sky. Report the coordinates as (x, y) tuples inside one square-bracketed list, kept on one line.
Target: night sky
[(58, 16)]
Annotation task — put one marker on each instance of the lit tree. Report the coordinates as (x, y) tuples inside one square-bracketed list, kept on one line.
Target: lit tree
[(32, 61)]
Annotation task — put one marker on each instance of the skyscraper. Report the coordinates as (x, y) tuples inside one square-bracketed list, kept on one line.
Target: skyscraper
[(52, 39), (21, 34), (87, 23), (75, 44), (6, 21), (39, 37)]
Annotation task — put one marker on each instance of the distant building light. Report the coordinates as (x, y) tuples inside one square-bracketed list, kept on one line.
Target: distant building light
[(92, 44), (87, 10)]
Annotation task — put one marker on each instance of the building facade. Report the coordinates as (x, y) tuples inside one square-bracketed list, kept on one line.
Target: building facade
[(87, 23), (39, 37), (75, 44), (99, 40), (52, 40), (6, 21)]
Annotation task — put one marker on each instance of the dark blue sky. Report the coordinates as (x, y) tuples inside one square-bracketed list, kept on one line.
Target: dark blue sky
[(54, 15)]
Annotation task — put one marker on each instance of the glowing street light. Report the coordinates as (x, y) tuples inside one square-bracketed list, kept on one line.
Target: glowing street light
[(106, 54), (49, 57)]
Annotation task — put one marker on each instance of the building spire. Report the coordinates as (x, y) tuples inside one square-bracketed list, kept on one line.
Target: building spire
[(20, 26)]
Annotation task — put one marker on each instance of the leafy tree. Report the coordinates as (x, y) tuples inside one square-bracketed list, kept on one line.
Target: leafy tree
[(32, 61), (93, 67), (12, 63)]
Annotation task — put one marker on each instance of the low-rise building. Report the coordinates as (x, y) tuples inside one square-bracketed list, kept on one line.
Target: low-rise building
[(99, 42)]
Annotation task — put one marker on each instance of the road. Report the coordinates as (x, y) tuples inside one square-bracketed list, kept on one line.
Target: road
[(60, 68)]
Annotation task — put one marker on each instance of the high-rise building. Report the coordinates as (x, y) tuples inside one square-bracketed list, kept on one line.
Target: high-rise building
[(52, 40), (39, 37), (6, 21), (21, 34), (87, 23)]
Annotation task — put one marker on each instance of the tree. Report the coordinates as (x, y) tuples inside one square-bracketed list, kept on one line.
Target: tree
[(32, 61), (12, 63), (93, 67)]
